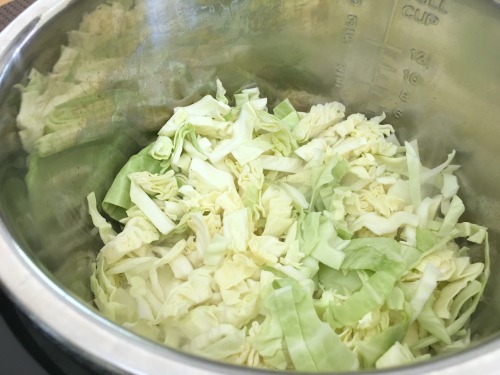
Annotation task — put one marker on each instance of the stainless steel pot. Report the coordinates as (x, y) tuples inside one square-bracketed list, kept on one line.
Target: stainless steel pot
[(432, 65)]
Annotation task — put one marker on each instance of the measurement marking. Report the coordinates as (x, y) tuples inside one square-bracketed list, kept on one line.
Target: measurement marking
[(403, 95), (421, 57), (387, 52), (386, 47), (437, 5), (387, 67), (420, 16), (385, 78), (339, 75), (391, 51), (389, 24), (351, 24), (376, 109), (411, 77), (379, 90)]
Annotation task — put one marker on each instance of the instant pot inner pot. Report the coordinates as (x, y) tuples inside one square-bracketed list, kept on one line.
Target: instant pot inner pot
[(431, 66)]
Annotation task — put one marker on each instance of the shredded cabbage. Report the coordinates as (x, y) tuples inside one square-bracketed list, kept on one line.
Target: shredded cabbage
[(287, 240)]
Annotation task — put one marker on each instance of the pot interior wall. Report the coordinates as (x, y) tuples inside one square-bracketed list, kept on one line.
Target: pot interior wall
[(431, 66)]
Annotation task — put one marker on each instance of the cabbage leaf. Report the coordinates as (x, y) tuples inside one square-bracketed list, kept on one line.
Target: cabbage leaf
[(288, 240)]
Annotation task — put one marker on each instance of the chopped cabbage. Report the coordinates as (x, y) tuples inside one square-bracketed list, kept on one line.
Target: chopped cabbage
[(287, 240)]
